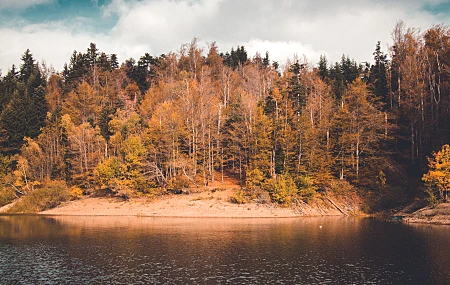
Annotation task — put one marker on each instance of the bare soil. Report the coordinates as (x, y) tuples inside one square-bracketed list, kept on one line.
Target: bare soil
[(210, 201), (437, 215)]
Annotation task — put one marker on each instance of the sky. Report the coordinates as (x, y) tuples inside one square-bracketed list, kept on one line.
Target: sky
[(53, 29)]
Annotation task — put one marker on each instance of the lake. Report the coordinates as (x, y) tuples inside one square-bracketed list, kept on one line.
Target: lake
[(147, 250)]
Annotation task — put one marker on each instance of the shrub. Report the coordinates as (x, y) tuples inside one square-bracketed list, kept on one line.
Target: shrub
[(177, 183), (239, 197), (307, 188), (6, 195), (254, 178), (47, 196), (281, 189), (75, 193), (431, 199)]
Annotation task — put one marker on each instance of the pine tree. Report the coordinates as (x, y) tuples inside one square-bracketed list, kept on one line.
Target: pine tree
[(25, 115), (378, 80)]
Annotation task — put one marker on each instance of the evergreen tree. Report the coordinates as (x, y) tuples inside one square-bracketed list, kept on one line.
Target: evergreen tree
[(113, 61), (323, 67), (92, 55), (25, 115), (8, 85), (378, 80), (295, 89)]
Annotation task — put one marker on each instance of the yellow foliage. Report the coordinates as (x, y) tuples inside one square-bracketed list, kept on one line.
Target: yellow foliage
[(438, 177), (107, 171), (75, 193)]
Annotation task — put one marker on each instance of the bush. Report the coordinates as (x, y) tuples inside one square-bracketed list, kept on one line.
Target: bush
[(307, 188), (6, 195), (177, 183), (281, 189), (431, 199), (254, 178), (7, 191), (239, 198), (75, 193), (48, 196)]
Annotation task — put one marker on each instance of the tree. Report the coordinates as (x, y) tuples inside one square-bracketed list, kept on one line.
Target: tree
[(408, 84), (323, 67), (86, 146), (25, 114), (437, 179), (82, 104), (359, 129), (378, 80)]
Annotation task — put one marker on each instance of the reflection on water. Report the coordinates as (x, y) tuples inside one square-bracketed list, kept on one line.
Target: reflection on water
[(133, 250)]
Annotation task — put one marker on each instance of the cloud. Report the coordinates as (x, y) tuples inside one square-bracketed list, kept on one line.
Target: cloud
[(22, 4), (281, 51), (162, 25), (50, 42), (284, 28), (311, 27)]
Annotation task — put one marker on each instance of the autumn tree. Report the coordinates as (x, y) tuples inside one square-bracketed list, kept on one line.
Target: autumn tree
[(86, 147), (408, 84), (437, 178), (82, 104), (359, 129)]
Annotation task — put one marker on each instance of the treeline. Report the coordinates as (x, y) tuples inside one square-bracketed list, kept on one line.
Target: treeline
[(188, 118)]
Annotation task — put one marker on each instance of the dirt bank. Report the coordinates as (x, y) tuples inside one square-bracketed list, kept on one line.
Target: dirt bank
[(438, 215)]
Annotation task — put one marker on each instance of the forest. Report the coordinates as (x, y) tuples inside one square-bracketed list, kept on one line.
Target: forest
[(163, 123)]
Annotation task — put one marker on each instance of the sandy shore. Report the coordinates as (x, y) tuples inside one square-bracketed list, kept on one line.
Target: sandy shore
[(204, 204)]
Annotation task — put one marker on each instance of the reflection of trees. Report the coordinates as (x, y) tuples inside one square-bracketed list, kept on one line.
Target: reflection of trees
[(192, 250)]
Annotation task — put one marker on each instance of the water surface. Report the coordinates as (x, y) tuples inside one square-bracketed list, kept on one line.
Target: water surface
[(147, 250)]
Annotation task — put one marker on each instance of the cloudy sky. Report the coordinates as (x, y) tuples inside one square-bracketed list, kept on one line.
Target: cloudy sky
[(53, 29)]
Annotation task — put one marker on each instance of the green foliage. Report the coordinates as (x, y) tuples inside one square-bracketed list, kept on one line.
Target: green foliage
[(381, 178), (48, 196), (5, 165), (236, 58), (282, 135), (26, 112)]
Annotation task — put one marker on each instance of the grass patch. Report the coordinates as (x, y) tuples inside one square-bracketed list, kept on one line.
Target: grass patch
[(43, 198)]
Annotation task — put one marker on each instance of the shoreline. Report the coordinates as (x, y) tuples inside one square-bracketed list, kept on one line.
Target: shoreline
[(206, 204), (438, 215), (177, 208)]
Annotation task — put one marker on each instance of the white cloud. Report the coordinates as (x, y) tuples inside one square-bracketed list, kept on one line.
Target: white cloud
[(22, 4), (51, 43), (163, 25), (333, 28), (284, 28), (281, 51)]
